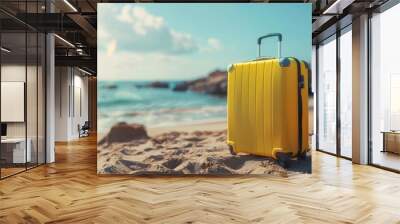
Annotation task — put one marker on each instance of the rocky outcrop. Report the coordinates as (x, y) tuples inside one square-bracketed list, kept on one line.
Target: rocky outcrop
[(158, 84), (155, 84), (215, 83), (123, 132), (111, 86), (181, 87)]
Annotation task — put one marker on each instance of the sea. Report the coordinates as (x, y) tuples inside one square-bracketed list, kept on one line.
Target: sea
[(131, 102)]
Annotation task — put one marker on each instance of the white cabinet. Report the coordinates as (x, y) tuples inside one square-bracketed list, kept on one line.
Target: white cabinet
[(19, 154)]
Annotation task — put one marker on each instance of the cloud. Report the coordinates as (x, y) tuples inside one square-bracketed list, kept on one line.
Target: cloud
[(136, 44), (124, 65), (102, 33), (182, 42), (137, 30), (141, 20), (112, 46), (214, 43)]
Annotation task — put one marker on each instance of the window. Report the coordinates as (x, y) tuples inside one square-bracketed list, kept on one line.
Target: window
[(346, 92), (23, 77), (327, 95), (385, 89)]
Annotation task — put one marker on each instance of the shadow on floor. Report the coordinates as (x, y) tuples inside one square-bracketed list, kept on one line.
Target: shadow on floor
[(300, 165)]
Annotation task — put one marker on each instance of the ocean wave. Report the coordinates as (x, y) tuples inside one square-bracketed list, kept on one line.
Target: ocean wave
[(165, 117), (157, 107), (161, 111), (116, 102)]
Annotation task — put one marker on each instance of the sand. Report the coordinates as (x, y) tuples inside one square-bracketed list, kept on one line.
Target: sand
[(187, 149), (205, 126)]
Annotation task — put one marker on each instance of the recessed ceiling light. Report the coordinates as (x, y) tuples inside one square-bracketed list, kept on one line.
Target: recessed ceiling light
[(338, 6), (84, 71), (5, 50), (64, 40), (70, 5)]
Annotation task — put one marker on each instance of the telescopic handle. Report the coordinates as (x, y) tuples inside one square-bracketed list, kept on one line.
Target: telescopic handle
[(278, 35)]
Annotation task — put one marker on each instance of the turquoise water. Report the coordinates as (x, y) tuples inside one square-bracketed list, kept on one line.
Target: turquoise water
[(155, 107)]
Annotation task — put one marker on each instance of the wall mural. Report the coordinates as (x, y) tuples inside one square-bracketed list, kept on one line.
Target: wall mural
[(184, 89)]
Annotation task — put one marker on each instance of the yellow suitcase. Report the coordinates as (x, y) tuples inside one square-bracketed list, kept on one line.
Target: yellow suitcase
[(268, 106)]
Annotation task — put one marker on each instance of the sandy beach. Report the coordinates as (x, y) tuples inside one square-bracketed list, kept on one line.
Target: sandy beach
[(204, 126), (186, 149)]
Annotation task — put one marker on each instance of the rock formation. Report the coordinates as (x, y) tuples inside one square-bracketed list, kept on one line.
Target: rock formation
[(123, 132), (215, 84)]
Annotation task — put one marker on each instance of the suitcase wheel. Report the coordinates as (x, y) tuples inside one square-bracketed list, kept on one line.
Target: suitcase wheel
[(231, 150), (283, 159)]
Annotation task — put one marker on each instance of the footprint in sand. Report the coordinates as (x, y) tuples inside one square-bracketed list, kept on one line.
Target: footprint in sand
[(179, 152), (221, 139), (219, 170), (235, 163), (134, 165), (189, 167), (187, 145), (110, 169), (126, 151), (148, 149), (172, 163), (138, 153), (194, 139), (154, 158)]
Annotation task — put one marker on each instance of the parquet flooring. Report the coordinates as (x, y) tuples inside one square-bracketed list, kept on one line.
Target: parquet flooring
[(70, 191)]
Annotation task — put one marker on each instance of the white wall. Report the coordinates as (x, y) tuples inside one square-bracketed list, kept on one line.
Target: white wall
[(62, 81), (71, 94), (81, 100)]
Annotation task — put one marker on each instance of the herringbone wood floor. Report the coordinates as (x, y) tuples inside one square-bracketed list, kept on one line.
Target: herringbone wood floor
[(69, 191)]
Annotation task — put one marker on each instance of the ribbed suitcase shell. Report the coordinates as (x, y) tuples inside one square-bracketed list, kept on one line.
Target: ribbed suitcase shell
[(263, 108)]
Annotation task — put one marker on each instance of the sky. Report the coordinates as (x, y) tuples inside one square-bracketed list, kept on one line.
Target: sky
[(185, 41)]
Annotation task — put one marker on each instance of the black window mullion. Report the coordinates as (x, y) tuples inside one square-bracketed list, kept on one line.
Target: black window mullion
[(26, 87), (369, 90), (73, 92), (37, 90), (45, 93), (316, 97), (1, 166), (338, 81)]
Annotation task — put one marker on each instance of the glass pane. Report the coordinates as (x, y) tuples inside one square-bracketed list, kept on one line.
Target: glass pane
[(31, 97), (41, 98), (386, 89), (23, 86), (13, 86), (346, 94), (31, 88), (327, 96), (312, 117)]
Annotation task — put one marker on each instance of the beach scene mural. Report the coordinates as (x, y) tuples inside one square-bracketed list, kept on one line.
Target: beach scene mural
[(162, 84)]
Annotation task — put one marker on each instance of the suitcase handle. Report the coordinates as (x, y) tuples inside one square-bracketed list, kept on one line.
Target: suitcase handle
[(268, 36)]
